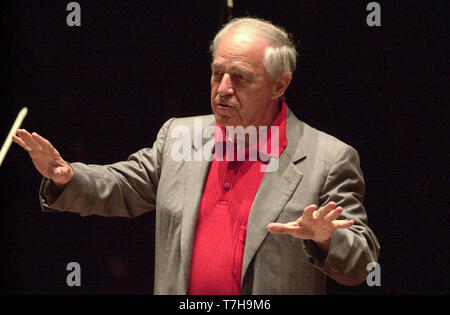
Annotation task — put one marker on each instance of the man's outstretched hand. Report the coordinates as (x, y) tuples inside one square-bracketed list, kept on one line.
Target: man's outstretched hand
[(315, 224), (46, 158)]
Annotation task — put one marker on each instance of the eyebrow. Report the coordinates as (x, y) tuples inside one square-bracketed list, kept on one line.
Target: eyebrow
[(215, 66)]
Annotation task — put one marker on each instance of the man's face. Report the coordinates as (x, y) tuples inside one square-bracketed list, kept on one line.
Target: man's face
[(241, 91)]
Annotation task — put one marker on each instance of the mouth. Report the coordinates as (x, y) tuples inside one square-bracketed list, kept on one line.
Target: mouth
[(223, 106)]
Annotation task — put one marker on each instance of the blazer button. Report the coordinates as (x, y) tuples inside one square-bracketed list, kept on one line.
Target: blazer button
[(227, 186)]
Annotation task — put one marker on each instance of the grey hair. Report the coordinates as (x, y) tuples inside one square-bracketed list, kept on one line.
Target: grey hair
[(280, 55)]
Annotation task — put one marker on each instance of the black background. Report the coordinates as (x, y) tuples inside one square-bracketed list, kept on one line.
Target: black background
[(101, 91)]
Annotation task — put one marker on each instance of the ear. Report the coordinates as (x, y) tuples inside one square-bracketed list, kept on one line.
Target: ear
[(281, 85)]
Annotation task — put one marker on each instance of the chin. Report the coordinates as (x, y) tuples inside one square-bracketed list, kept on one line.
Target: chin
[(225, 120), (221, 120)]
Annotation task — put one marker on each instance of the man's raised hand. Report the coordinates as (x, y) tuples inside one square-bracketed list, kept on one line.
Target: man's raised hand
[(46, 158), (315, 224)]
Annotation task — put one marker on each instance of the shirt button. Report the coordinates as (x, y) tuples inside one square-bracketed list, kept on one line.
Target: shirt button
[(227, 186)]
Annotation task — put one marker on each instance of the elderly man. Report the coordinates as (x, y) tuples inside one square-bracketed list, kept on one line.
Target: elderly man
[(228, 225)]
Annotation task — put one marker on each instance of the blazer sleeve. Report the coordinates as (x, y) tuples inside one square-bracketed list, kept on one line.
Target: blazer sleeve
[(125, 189), (351, 249)]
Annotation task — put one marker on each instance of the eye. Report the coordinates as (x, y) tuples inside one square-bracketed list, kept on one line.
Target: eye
[(240, 79), (217, 74)]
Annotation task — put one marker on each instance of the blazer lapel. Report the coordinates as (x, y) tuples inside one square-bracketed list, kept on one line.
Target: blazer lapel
[(195, 181), (275, 190)]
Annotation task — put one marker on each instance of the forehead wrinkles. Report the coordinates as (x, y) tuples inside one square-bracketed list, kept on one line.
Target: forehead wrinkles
[(238, 48)]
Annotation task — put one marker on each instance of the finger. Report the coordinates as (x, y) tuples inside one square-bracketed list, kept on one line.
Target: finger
[(308, 212), (333, 214), (26, 137), (20, 142), (323, 211), (342, 224), (44, 143), (281, 228)]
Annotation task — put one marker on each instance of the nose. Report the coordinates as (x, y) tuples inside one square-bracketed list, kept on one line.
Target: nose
[(226, 86)]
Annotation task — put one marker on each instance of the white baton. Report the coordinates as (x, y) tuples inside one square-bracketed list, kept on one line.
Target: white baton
[(20, 117)]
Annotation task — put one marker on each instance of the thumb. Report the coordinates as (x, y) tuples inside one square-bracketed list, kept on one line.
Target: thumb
[(280, 228)]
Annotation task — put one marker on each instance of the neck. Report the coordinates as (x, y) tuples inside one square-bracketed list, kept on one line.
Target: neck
[(272, 113)]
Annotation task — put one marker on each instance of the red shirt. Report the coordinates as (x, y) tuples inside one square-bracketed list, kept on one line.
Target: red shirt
[(230, 189)]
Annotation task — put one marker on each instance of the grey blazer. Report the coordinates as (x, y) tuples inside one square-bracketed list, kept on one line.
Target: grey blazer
[(314, 168)]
